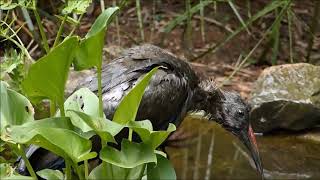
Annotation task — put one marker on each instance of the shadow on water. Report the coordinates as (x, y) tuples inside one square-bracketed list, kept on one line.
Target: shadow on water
[(209, 152)]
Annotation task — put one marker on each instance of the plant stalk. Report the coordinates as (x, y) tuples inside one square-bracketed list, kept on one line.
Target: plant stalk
[(25, 159), (76, 26), (290, 35), (130, 135), (56, 41), (52, 108), (86, 170), (202, 21), (189, 25), (140, 19), (62, 113), (41, 29), (68, 169), (142, 171), (100, 91)]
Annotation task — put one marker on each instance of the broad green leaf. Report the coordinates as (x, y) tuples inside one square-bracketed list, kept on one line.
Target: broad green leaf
[(131, 155), (15, 108), (76, 6), (82, 100), (162, 170), (147, 135), (128, 107), (55, 136), (50, 174), (47, 77), (109, 171), (59, 122), (89, 54), (105, 128)]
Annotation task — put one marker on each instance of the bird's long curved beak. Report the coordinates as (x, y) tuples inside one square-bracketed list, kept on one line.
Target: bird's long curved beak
[(248, 138)]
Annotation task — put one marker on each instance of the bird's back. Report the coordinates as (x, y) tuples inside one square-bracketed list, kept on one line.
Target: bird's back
[(168, 94)]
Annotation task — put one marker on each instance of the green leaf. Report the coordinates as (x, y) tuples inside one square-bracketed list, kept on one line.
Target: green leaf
[(147, 135), (82, 100), (10, 4), (76, 6), (162, 170), (50, 174), (47, 77), (128, 107), (105, 128), (11, 61), (53, 134), (90, 52), (58, 122), (236, 12), (7, 172), (109, 171), (15, 108), (131, 155)]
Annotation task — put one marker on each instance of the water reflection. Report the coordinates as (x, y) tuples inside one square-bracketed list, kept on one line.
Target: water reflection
[(209, 152)]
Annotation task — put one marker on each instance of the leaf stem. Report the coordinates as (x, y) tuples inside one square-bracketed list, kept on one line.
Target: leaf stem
[(86, 170), (138, 7), (100, 91), (130, 134), (56, 41), (68, 169), (76, 26), (52, 108), (76, 167), (41, 29), (19, 151), (61, 106), (142, 171)]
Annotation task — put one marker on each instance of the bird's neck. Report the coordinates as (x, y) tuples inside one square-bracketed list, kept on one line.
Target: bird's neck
[(208, 101)]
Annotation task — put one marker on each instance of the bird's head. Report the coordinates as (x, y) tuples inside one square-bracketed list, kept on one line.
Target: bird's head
[(233, 114)]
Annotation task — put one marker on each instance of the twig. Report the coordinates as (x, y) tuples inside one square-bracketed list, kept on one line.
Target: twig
[(30, 43)]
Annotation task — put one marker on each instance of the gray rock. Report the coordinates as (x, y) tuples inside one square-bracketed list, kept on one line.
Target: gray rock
[(286, 97)]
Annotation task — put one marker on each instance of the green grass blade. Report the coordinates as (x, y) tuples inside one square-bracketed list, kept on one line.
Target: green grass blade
[(236, 12), (172, 24)]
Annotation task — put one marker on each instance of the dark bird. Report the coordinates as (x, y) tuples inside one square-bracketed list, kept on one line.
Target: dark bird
[(173, 91)]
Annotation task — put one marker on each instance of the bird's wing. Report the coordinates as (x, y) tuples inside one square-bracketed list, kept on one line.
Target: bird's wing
[(162, 102)]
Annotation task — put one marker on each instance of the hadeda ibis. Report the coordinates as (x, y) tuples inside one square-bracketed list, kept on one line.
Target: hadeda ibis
[(173, 91)]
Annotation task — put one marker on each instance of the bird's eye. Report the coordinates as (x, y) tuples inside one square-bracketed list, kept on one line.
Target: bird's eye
[(240, 113)]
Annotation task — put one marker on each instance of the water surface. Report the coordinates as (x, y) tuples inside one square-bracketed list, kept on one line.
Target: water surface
[(209, 152)]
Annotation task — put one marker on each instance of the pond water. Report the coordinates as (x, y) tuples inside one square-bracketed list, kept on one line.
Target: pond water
[(209, 152)]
